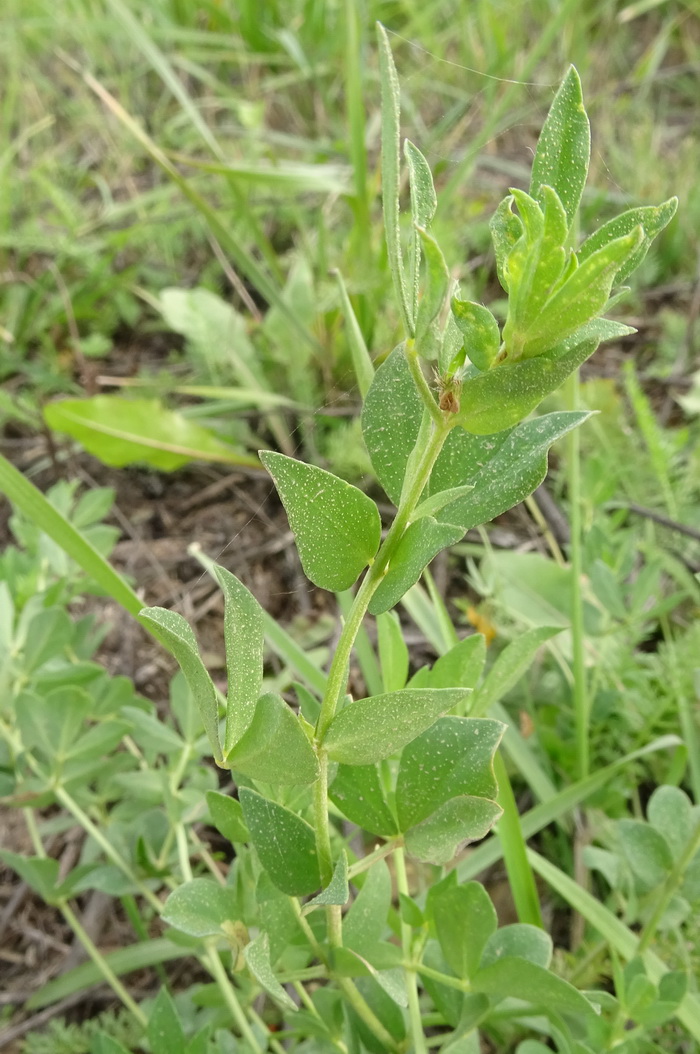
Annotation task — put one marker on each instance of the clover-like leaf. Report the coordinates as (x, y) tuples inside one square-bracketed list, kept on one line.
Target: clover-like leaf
[(336, 526), (422, 541), (274, 748), (436, 839), (284, 842), (391, 418)]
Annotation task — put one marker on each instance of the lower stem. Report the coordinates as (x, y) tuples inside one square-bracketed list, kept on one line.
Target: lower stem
[(216, 968), (417, 1033), (581, 704)]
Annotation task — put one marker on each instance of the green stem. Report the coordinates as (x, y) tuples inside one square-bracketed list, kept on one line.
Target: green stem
[(421, 384), (436, 975), (418, 1036), (219, 974), (367, 1015), (510, 834), (581, 702)]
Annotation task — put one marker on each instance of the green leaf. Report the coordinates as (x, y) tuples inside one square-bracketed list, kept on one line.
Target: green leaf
[(275, 748), (670, 811), (420, 543), (227, 816), (564, 147), (520, 939), (509, 667), (583, 296), (393, 652), (501, 398), (337, 891), (436, 839), (436, 286), (372, 729), (464, 920), (461, 666), (165, 1035), (284, 842), (175, 634), (482, 337), (200, 907), (518, 979), (506, 230), (651, 218), (244, 637), (337, 527), (391, 171), (366, 920), (457, 753), (646, 851), (358, 793), (391, 418), (423, 197), (500, 470), (257, 956), (433, 505), (122, 431), (39, 872), (52, 723)]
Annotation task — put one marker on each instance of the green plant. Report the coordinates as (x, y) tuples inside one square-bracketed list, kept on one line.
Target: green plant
[(412, 763)]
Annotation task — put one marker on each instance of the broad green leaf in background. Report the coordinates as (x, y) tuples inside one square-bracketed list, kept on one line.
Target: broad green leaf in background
[(358, 793), (227, 816), (244, 638), (165, 1035), (651, 218), (461, 666), (509, 667), (175, 634), (420, 543), (200, 907), (52, 723), (39, 872), (372, 729), (436, 839), (564, 147), (482, 337), (337, 890), (337, 527), (366, 920), (501, 398), (122, 431), (257, 956), (501, 470), (521, 979), (671, 812), (391, 418), (274, 748), (465, 919), (646, 851), (393, 652), (520, 939), (458, 754), (284, 842)]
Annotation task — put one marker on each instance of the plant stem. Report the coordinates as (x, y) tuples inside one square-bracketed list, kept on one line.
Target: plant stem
[(364, 1012), (581, 702), (219, 974), (419, 1045)]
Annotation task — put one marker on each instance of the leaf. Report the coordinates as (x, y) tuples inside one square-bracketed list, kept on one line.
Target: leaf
[(275, 748), (583, 296), (39, 872), (527, 942), (509, 667), (284, 842), (454, 757), (372, 729), (518, 979), (646, 851), (175, 634), (501, 398), (366, 920), (436, 839), (227, 816), (499, 470), (461, 666), (420, 543), (337, 891), (165, 1035), (358, 793), (200, 907), (244, 638), (651, 218), (436, 286), (670, 811), (52, 723), (257, 956), (393, 652), (564, 147), (423, 197), (391, 418), (464, 919), (506, 229), (482, 337), (433, 505), (337, 527), (123, 431)]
